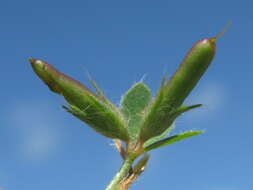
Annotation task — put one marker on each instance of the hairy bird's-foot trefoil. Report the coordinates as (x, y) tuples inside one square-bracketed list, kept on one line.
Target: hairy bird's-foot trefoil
[(141, 122)]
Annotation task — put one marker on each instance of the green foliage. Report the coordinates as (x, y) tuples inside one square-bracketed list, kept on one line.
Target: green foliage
[(172, 139), (193, 66), (133, 104), (138, 119), (159, 137), (83, 104), (160, 117), (143, 123), (167, 104)]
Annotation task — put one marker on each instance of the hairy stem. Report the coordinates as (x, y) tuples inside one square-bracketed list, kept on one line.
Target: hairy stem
[(115, 183)]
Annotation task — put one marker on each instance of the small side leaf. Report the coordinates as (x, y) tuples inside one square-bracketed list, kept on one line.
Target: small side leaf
[(141, 164), (159, 137), (183, 109), (132, 105), (173, 139)]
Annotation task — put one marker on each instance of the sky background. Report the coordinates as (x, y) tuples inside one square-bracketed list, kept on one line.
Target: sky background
[(118, 42)]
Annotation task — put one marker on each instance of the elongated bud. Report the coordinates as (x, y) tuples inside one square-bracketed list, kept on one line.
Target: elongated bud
[(60, 83), (172, 93), (190, 71), (83, 104)]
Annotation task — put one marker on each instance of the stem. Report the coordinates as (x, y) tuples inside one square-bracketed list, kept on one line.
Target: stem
[(114, 185)]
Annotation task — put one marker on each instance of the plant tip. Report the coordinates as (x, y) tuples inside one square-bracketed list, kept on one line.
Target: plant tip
[(36, 61), (31, 60), (225, 29)]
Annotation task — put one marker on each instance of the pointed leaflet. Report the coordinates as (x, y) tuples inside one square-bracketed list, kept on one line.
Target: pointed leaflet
[(159, 137), (177, 112), (133, 104), (172, 139), (183, 109), (84, 104)]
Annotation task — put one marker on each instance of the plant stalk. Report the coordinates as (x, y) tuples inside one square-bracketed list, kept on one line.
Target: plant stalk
[(115, 183)]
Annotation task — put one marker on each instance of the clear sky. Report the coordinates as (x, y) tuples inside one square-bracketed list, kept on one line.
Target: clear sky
[(118, 42)]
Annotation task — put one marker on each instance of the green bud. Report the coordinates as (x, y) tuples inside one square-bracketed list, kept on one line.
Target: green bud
[(166, 106), (83, 103), (189, 73)]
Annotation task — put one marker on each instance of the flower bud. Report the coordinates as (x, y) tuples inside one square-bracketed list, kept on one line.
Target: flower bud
[(83, 103), (166, 106)]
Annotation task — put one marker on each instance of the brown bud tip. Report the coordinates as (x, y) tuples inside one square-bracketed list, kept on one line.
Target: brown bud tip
[(56, 81), (31, 60), (36, 62), (207, 43)]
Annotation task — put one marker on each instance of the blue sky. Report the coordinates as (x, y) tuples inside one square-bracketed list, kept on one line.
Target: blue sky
[(117, 43)]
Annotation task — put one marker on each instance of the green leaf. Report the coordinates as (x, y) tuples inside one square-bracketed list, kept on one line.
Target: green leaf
[(133, 105), (135, 99), (84, 104), (172, 139), (183, 109), (159, 137)]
